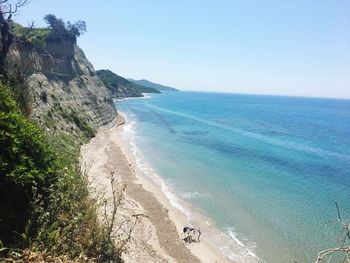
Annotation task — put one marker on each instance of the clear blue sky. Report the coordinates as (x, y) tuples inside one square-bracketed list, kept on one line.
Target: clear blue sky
[(282, 47)]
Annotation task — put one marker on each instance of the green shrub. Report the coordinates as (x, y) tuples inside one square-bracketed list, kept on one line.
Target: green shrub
[(35, 36), (45, 203), (82, 124), (20, 91), (26, 155), (72, 116), (72, 226), (26, 161)]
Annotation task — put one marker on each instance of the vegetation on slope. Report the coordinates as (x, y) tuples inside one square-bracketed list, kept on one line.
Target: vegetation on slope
[(26, 161), (36, 36), (45, 203), (57, 29), (46, 211), (45, 200), (147, 83), (121, 87)]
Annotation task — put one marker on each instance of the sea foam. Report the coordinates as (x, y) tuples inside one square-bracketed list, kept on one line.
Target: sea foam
[(129, 133), (263, 170), (228, 244)]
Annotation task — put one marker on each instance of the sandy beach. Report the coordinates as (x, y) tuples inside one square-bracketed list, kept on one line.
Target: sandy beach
[(156, 236)]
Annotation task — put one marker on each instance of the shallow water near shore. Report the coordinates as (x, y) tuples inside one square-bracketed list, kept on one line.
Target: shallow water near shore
[(264, 169)]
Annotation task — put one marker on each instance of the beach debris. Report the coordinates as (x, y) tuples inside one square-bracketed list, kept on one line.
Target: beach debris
[(138, 215), (191, 234)]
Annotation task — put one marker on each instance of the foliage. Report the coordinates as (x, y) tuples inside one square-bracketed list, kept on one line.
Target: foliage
[(60, 30), (57, 30), (116, 83), (7, 10), (26, 155), (69, 115), (64, 143), (72, 226), (44, 195), (147, 83), (72, 116), (54, 22), (26, 161), (20, 91), (77, 28), (35, 36)]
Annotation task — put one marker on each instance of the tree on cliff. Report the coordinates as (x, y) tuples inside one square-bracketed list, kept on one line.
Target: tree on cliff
[(77, 28), (59, 29), (8, 8)]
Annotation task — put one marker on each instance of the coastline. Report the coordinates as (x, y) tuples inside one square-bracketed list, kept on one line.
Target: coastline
[(156, 236)]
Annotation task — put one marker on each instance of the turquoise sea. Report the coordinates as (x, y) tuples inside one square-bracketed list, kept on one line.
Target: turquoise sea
[(264, 169)]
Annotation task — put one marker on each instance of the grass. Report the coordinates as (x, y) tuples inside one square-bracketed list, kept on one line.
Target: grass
[(35, 36), (46, 209)]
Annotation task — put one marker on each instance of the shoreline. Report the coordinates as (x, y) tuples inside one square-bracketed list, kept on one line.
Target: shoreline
[(156, 236)]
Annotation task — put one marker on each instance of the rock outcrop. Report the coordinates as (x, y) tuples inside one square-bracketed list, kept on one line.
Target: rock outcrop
[(67, 95)]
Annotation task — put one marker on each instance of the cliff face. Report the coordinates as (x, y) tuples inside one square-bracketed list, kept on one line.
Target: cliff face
[(66, 93)]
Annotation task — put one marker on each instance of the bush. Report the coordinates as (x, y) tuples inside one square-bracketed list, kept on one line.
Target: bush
[(72, 116), (72, 226), (26, 161), (20, 91), (26, 155), (59, 29), (35, 36), (45, 203)]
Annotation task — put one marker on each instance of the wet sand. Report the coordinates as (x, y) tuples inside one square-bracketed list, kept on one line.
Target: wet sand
[(157, 233)]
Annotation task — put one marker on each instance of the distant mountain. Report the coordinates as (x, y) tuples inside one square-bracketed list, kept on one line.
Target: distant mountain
[(121, 87), (150, 84)]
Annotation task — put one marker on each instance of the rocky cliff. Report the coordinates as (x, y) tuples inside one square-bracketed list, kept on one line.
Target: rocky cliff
[(66, 93)]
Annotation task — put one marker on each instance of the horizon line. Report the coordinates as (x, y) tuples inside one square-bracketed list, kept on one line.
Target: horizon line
[(262, 94)]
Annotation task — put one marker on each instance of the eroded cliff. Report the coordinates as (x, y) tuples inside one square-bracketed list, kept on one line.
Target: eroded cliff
[(66, 94)]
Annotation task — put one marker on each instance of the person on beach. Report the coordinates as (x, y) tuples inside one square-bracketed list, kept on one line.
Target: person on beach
[(190, 234)]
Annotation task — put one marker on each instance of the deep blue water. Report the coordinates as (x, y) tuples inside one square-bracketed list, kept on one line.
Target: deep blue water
[(266, 168)]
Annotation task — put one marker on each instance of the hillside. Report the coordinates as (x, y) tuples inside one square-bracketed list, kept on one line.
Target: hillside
[(121, 87), (51, 102), (66, 94), (150, 84)]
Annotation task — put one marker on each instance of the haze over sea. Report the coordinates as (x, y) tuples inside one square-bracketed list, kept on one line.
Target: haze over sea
[(265, 169)]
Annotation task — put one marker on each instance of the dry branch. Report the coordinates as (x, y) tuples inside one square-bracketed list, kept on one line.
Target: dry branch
[(343, 249)]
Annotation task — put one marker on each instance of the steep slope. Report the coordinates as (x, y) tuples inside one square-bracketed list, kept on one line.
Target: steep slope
[(121, 87), (66, 93), (47, 212), (150, 84)]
